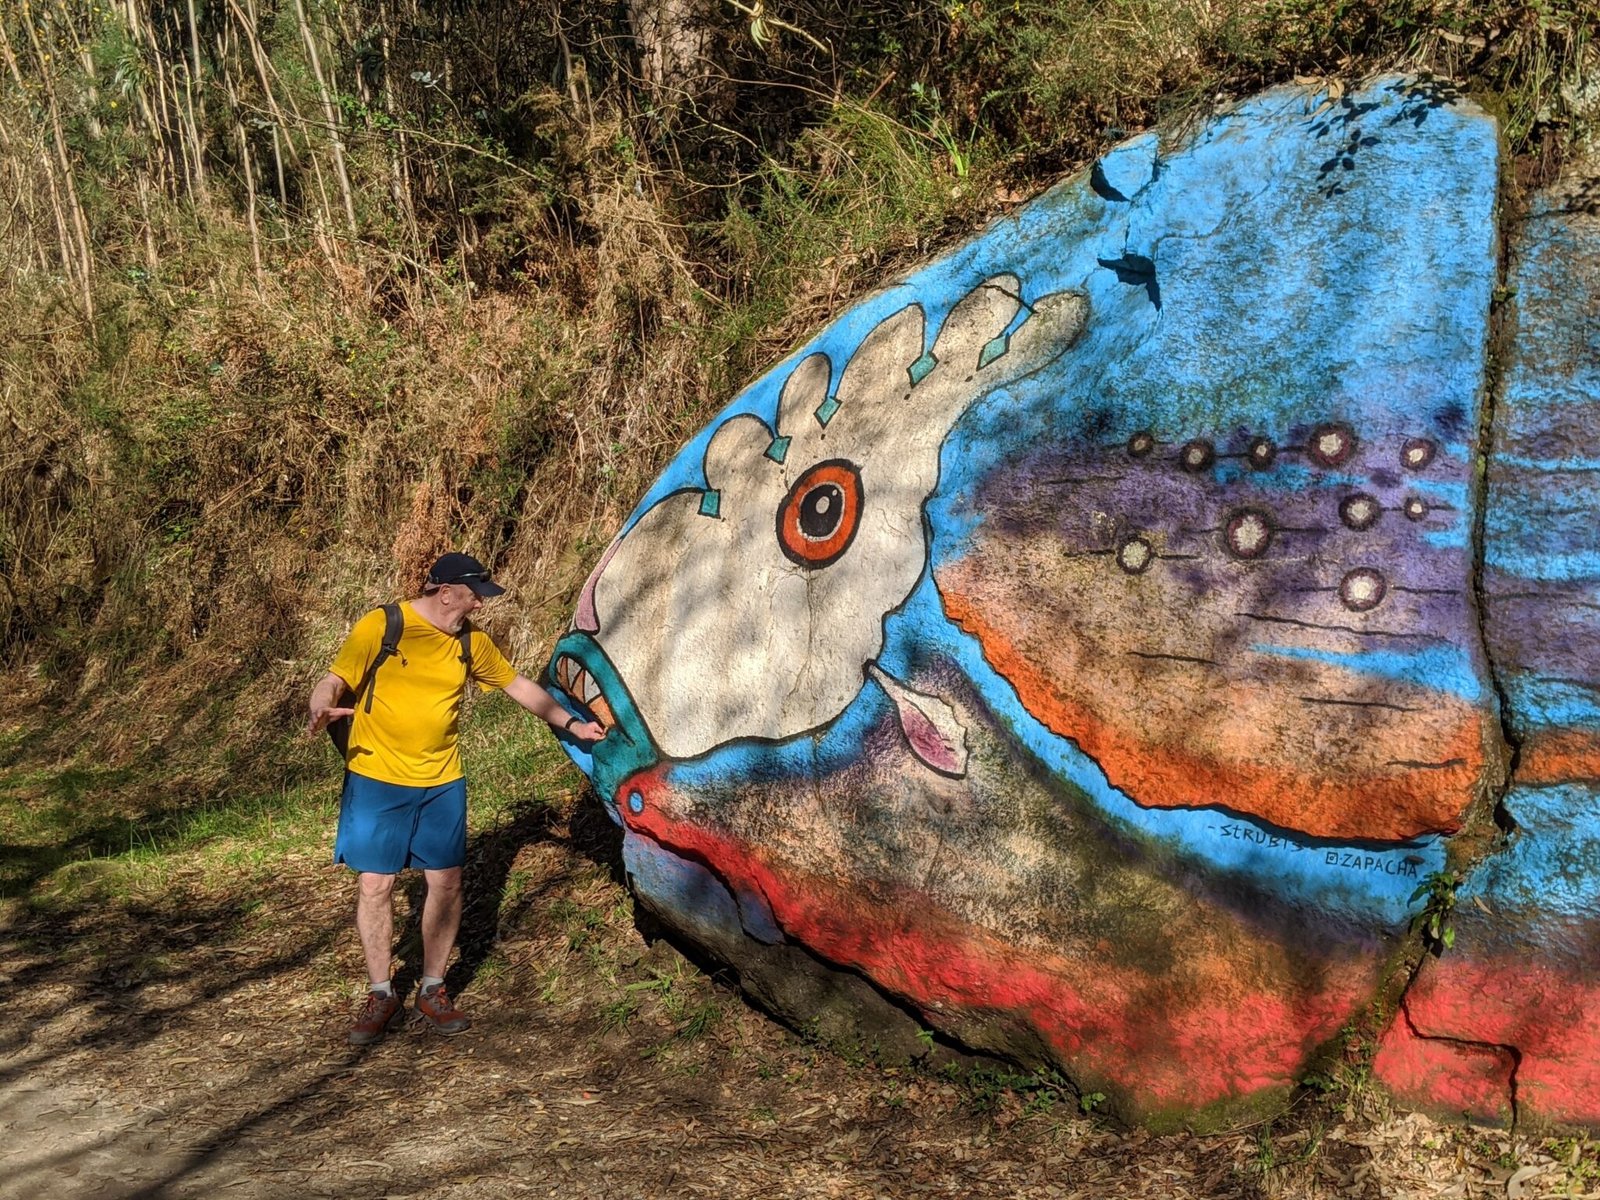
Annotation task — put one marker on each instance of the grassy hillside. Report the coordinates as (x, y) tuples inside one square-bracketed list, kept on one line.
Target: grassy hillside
[(298, 293)]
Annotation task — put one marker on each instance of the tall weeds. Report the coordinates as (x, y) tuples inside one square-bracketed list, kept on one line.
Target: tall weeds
[(297, 293)]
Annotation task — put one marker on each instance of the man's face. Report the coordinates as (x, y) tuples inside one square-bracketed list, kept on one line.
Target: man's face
[(461, 603)]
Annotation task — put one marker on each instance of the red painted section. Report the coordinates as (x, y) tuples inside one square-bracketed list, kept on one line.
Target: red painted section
[(1210, 1026), (1452, 1079), (1550, 1012)]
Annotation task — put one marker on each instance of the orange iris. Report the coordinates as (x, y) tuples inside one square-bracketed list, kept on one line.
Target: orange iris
[(819, 517)]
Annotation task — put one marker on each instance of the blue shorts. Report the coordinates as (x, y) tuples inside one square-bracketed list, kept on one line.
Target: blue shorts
[(386, 827)]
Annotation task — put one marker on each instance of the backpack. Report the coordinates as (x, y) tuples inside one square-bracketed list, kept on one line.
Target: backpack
[(394, 624)]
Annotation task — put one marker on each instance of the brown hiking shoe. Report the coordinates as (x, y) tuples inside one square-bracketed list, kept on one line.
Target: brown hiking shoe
[(434, 1007), (378, 1015)]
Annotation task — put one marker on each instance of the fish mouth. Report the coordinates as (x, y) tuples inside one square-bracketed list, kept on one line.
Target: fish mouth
[(580, 685), (581, 671)]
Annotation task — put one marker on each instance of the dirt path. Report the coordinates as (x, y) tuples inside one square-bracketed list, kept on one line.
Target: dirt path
[(194, 1046)]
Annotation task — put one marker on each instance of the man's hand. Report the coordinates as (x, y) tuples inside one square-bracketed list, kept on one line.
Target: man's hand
[(324, 703), (321, 718), (548, 709)]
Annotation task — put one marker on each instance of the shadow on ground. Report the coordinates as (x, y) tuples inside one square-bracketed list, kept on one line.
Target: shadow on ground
[(194, 1046)]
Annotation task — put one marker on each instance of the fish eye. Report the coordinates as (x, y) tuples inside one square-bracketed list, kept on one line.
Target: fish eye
[(818, 518)]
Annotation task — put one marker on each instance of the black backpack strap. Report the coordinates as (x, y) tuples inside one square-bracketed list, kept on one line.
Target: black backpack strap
[(465, 637), (394, 624)]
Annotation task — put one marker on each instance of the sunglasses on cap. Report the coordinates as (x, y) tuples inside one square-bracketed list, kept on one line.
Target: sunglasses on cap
[(478, 581)]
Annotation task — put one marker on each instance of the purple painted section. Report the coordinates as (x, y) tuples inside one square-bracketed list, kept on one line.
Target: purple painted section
[(1090, 497)]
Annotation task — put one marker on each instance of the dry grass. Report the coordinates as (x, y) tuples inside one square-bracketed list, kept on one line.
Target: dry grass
[(230, 426)]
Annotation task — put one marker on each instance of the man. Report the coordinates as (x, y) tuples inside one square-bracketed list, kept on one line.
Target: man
[(405, 800)]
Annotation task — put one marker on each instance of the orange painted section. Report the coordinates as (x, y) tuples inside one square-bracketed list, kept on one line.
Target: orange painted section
[(1352, 804), (1559, 756)]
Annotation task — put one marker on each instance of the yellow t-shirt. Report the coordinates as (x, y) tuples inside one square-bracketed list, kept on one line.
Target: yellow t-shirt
[(409, 737)]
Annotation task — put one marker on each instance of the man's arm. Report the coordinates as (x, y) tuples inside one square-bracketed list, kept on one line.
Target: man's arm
[(545, 706), (323, 699)]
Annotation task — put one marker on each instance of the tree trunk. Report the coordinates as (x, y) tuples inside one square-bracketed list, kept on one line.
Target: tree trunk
[(678, 42)]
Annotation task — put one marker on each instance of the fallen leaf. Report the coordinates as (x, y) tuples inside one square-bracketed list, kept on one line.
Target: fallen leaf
[(1518, 1186)]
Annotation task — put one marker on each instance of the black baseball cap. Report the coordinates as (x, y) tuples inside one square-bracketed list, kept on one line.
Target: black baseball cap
[(463, 568)]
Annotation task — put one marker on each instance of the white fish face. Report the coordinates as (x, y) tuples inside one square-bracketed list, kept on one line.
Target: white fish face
[(750, 609)]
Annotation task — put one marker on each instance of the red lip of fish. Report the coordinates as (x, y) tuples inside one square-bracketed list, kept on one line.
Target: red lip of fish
[(1118, 1024)]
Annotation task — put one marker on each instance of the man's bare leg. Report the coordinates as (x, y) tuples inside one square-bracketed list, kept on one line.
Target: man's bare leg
[(375, 923), (441, 919)]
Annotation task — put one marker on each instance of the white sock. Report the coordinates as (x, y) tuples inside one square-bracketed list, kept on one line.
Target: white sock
[(429, 982), (386, 988)]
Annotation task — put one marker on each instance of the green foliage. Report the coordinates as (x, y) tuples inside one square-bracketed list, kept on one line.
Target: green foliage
[(700, 1021), (1438, 933), (1322, 1082), (989, 1087), (75, 841), (856, 191), (1266, 1157), (1579, 1158), (928, 115), (1283, 1158), (619, 1012), (1060, 77)]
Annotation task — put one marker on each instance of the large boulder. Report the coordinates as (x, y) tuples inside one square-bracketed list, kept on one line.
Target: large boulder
[(1073, 651), (1508, 1023)]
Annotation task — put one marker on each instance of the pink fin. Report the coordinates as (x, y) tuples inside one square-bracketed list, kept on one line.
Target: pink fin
[(587, 620), (931, 727)]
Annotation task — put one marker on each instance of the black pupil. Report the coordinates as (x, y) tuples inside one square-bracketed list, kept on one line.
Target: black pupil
[(820, 510)]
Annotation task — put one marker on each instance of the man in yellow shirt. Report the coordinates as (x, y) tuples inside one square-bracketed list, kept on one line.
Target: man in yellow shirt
[(405, 800)]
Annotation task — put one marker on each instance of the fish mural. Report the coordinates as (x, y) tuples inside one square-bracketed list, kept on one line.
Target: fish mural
[(1076, 650)]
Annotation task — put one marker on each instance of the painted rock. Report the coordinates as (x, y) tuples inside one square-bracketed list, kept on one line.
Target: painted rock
[(1074, 650), (1508, 1023)]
